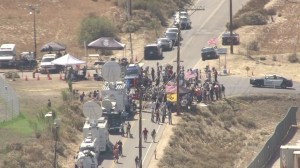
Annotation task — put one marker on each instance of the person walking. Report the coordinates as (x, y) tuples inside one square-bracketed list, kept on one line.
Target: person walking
[(170, 117), (153, 135), (223, 90), (157, 116), (145, 133), (128, 129), (116, 154), (122, 129), (137, 161)]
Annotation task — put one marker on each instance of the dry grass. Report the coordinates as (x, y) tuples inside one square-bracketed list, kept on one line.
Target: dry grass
[(231, 131)]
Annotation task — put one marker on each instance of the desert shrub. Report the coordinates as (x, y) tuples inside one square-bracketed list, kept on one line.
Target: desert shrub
[(253, 18), (253, 45), (279, 14), (153, 7), (10, 74), (274, 58), (245, 122), (262, 58), (271, 11), (293, 58), (94, 27)]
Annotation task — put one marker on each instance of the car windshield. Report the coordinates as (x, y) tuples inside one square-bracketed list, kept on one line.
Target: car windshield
[(6, 53), (208, 50), (132, 71), (47, 59), (87, 148), (163, 40), (172, 30), (171, 35)]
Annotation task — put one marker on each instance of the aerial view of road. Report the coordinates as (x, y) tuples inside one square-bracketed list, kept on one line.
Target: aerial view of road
[(206, 24)]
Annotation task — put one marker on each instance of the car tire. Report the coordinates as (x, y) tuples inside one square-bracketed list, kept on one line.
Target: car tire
[(283, 86)]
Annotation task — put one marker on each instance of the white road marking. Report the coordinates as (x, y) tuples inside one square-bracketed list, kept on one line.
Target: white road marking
[(150, 146)]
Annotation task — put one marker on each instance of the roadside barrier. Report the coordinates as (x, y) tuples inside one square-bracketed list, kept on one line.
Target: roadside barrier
[(272, 146)]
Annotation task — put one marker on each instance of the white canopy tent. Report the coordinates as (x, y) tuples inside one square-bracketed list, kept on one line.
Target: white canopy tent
[(67, 60)]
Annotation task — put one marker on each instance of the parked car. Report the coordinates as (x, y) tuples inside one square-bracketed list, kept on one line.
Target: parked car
[(173, 29), (226, 39), (47, 66), (174, 37), (183, 22), (153, 51), (209, 53), (165, 43), (272, 80)]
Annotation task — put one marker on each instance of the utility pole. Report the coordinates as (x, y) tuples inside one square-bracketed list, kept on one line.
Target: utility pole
[(178, 69), (130, 29), (230, 27), (140, 129), (178, 58)]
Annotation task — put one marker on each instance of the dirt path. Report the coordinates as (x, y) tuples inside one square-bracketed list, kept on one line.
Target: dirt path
[(163, 142)]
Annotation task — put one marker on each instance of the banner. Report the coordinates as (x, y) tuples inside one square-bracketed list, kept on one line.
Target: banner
[(172, 97)]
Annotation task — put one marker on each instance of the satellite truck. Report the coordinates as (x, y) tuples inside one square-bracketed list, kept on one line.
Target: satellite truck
[(8, 58), (95, 136)]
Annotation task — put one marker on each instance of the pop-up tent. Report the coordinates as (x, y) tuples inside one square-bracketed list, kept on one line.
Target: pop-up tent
[(53, 46), (106, 43), (67, 60)]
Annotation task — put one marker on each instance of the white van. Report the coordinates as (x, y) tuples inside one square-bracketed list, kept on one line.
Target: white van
[(8, 54), (47, 66)]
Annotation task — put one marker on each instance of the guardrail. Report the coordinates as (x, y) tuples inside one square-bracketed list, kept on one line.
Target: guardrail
[(9, 102), (273, 144)]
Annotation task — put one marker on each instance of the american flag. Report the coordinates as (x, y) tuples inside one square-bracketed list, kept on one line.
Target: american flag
[(213, 41)]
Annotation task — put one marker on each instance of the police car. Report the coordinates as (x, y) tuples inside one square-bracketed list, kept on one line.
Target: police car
[(272, 81)]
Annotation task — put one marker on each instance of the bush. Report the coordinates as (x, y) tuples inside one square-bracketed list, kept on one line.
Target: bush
[(247, 123), (253, 46), (10, 75), (262, 58), (153, 7), (293, 58), (94, 27), (271, 12), (253, 18)]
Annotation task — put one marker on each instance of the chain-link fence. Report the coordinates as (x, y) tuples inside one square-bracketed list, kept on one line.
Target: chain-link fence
[(9, 102)]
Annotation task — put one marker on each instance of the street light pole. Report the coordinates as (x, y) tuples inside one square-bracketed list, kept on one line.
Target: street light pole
[(33, 11)]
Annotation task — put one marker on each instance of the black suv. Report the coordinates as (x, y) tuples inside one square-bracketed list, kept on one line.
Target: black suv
[(226, 40), (209, 53), (153, 51)]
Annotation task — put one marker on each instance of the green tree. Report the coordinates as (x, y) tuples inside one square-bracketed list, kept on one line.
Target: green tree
[(94, 27)]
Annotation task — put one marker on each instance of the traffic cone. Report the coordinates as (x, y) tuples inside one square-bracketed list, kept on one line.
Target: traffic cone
[(136, 60), (60, 77), (26, 79), (38, 77), (89, 75)]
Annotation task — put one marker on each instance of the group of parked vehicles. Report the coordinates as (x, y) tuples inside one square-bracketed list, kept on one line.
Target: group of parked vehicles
[(170, 37)]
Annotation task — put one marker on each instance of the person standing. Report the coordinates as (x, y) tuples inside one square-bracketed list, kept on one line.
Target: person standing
[(49, 103), (152, 74), (157, 116), (122, 129), (153, 135), (120, 147), (223, 90), (145, 133), (170, 117), (128, 129), (137, 161)]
